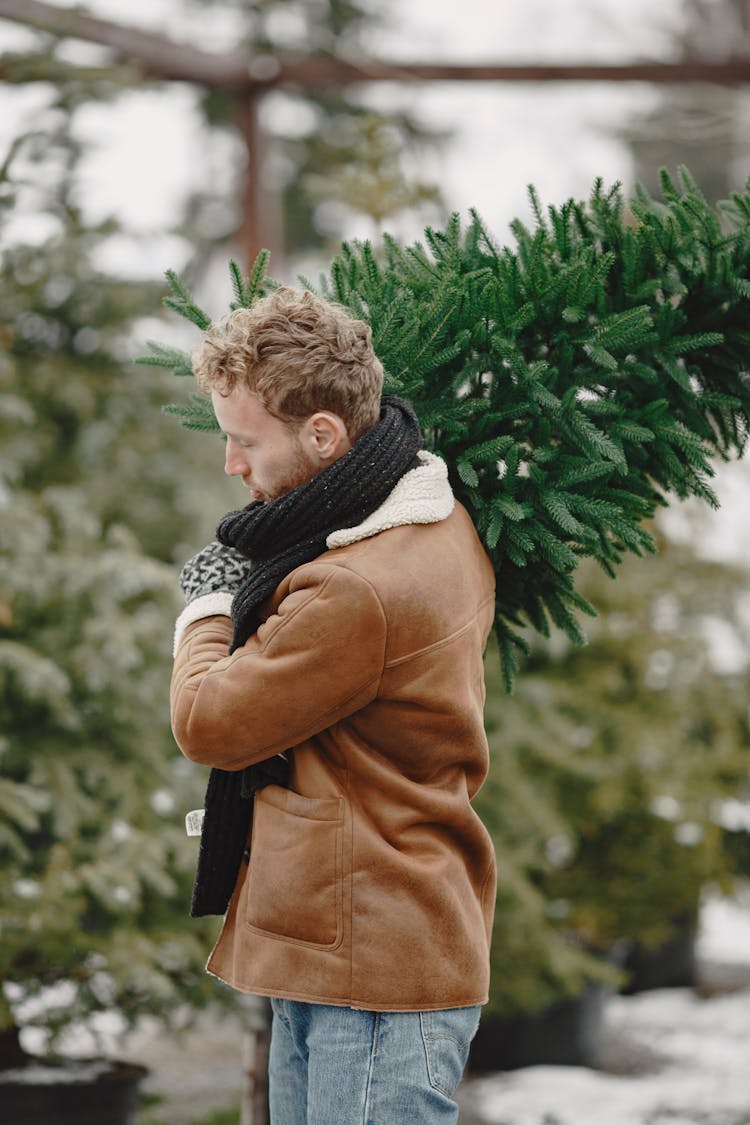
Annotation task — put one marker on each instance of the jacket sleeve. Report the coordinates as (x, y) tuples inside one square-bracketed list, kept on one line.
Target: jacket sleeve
[(316, 660)]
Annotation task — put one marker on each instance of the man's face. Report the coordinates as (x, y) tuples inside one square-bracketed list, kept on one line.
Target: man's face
[(264, 451)]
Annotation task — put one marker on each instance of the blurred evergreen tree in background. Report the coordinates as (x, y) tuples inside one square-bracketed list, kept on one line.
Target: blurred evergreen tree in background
[(96, 498), (613, 769)]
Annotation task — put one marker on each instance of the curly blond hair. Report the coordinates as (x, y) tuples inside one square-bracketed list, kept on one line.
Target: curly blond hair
[(298, 354)]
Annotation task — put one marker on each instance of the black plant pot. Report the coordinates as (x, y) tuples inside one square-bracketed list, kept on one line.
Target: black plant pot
[(566, 1034), (671, 965), (84, 1092)]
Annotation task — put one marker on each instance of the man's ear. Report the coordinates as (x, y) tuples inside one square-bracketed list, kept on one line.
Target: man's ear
[(327, 436)]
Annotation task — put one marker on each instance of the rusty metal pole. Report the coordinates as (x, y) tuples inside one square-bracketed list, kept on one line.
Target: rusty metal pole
[(260, 225)]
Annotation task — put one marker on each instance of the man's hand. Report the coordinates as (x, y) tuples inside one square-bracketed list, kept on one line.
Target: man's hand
[(214, 569)]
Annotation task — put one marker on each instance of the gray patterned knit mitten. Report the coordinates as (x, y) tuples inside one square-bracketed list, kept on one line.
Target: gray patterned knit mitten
[(214, 569)]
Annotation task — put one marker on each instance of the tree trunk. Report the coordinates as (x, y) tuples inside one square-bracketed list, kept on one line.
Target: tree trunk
[(257, 1039)]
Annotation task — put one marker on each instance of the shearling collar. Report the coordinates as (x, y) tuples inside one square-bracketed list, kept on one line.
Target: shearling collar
[(423, 495)]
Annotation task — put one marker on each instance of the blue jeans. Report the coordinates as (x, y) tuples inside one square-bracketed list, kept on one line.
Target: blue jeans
[(343, 1066)]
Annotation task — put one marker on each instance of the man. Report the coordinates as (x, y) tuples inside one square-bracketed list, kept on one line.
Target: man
[(329, 667)]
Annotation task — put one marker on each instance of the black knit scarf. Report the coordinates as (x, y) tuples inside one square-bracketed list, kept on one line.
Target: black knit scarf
[(278, 537)]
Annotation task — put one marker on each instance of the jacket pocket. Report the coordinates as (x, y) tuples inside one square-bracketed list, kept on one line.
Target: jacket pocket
[(294, 881)]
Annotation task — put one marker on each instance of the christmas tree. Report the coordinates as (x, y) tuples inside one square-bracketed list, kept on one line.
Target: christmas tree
[(572, 383)]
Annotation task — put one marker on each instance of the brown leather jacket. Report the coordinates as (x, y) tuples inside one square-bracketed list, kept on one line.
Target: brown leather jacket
[(371, 880)]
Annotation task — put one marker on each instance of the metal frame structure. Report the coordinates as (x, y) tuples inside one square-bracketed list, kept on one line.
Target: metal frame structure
[(248, 78)]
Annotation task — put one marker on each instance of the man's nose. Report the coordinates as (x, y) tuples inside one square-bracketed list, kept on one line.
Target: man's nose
[(232, 465)]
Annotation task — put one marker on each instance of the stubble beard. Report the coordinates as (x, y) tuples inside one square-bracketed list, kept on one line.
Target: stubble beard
[(301, 470)]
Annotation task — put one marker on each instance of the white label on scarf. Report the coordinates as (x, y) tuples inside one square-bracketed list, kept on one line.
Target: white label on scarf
[(194, 822)]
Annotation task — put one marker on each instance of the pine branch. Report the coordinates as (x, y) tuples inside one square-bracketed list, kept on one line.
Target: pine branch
[(197, 413), (248, 290), (182, 303), (161, 355)]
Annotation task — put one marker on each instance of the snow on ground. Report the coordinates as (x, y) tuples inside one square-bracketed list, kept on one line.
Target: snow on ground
[(670, 1057)]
